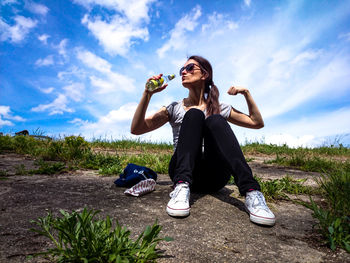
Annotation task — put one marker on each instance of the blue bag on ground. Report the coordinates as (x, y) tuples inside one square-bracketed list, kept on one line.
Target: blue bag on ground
[(133, 174)]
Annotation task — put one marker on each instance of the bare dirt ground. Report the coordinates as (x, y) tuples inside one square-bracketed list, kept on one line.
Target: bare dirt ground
[(218, 229)]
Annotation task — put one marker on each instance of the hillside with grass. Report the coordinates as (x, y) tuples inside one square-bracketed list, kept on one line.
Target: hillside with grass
[(316, 180)]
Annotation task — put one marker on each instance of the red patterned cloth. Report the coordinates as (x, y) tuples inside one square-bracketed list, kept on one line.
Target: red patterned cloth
[(141, 188)]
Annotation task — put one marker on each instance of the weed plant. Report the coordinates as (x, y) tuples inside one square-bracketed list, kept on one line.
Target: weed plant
[(279, 188), (334, 215), (20, 169), (6, 143), (79, 237), (310, 163), (48, 168), (271, 149), (130, 144), (105, 163), (157, 162)]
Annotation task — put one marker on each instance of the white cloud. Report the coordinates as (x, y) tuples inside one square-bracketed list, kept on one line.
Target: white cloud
[(78, 121), (115, 35), (178, 34), (8, 2), (116, 124), (43, 38), (75, 91), (5, 122), (19, 31), (134, 10), (290, 140), (315, 83), (124, 113), (112, 81), (247, 2), (327, 124), (103, 86), (45, 61), (62, 48), (345, 36), (5, 113), (72, 73), (36, 8), (307, 131), (47, 90), (306, 56), (58, 106), (218, 24), (119, 31), (93, 61)]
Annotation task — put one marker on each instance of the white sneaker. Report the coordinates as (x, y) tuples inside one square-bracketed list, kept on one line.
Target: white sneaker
[(179, 204), (258, 210)]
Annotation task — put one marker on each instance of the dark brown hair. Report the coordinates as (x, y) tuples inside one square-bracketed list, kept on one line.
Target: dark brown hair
[(211, 91)]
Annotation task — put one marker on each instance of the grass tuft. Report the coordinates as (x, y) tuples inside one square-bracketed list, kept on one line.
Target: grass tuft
[(278, 189), (334, 214), (79, 237)]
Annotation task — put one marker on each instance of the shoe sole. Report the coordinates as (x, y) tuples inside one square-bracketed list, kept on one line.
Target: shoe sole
[(262, 220), (178, 212)]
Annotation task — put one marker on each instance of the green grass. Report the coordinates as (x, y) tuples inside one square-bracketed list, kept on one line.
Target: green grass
[(333, 214), (131, 145), (48, 167), (78, 153), (3, 173), (157, 162), (80, 237), (20, 169), (278, 189), (310, 163), (270, 149)]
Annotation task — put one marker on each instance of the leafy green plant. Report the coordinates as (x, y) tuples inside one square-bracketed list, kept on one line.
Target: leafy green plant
[(335, 230), (157, 162), (75, 148), (334, 216), (131, 144), (336, 149), (48, 168), (23, 144), (110, 169), (105, 163), (79, 237), (278, 188), (20, 169), (310, 163), (6, 143)]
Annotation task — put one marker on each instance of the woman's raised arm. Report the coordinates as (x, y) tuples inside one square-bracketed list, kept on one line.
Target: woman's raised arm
[(140, 124), (254, 120)]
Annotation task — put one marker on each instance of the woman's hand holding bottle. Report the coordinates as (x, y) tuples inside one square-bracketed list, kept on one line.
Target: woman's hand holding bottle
[(150, 88), (157, 83)]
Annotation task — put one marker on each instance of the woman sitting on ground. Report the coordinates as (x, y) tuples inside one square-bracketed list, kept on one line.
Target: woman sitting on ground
[(206, 151)]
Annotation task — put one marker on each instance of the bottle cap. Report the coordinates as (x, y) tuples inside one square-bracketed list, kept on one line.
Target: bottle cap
[(171, 76)]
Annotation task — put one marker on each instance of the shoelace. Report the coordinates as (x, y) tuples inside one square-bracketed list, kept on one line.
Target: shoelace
[(260, 202), (179, 193)]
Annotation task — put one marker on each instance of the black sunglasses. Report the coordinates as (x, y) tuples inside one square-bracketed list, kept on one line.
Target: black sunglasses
[(189, 68)]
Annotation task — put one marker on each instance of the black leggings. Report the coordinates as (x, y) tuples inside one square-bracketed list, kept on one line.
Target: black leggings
[(210, 170)]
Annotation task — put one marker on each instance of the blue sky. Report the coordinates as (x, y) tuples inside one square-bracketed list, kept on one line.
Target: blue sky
[(79, 67)]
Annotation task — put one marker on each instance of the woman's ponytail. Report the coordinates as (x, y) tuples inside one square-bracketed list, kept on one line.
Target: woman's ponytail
[(213, 106), (211, 92)]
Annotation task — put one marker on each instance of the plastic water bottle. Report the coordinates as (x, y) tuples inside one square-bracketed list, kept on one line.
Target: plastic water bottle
[(157, 83)]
